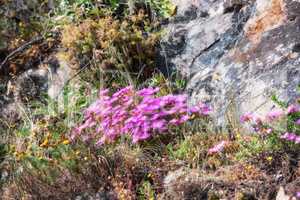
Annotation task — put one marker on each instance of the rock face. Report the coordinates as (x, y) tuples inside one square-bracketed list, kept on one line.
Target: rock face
[(48, 78), (236, 53)]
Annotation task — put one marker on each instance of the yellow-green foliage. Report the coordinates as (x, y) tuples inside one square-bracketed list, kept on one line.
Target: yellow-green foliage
[(193, 150), (42, 142), (146, 191), (42, 147), (163, 7), (113, 44), (254, 145)]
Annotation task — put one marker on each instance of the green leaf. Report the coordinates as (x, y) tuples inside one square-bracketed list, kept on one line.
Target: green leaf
[(24, 132)]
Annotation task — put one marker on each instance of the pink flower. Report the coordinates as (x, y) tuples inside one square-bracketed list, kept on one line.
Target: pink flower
[(274, 115), (160, 125), (184, 118), (298, 122), (101, 141), (103, 92), (285, 136), (174, 122), (194, 109), (297, 140), (140, 135), (292, 137), (246, 117), (293, 109), (124, 91), (218, 148), (147, 92), (257, 120), (269, 131), (205, 109)]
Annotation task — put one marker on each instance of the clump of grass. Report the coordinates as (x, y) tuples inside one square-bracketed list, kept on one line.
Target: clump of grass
[(194, 150), (40, 154)]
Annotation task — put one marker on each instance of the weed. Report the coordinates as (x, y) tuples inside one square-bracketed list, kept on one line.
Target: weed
[(145, 191)]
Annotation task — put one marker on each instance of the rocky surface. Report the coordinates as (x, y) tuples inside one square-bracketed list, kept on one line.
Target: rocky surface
[(196, 184), (48, 78), (236, 53)]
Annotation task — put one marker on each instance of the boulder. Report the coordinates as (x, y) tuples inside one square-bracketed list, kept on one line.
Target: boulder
[(236, 54), (47, 79)]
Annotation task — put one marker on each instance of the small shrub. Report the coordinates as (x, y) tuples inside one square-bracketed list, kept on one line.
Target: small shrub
[(128, 44)]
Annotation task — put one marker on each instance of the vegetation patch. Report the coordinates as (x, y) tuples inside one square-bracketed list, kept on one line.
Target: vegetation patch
[(120, 128)]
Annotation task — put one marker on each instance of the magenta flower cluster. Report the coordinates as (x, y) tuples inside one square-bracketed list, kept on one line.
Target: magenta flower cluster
[(141, 114), (264, 125)]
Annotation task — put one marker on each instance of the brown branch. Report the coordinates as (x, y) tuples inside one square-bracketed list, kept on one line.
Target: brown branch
[(19, 50)]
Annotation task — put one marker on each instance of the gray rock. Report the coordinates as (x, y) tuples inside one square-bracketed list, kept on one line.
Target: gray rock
[(30, 85), (187, 183), (238, 54), (49, 78), (59, 75)]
